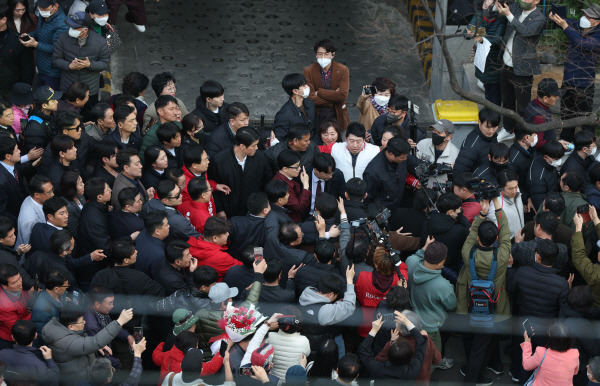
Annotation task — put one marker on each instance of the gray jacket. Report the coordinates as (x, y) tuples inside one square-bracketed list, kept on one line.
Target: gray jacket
[(73, 351), (181, 228), (330, 313), (67, 48), (528, 33)]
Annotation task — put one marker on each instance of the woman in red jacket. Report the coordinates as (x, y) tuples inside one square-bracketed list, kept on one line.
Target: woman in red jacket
[(371, 287)]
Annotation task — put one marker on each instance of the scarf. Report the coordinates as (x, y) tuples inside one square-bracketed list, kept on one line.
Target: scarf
[(380, 109)]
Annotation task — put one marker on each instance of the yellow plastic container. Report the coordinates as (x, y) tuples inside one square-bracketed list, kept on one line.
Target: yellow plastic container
[(458, 112)]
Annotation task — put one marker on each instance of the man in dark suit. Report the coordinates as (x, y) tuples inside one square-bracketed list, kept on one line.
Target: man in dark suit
[(224, 136), (356, 192), (309, 275), (12, 181), (325, 178), (57, 218), (249, 229), (126, 221), (298, 109), (525, 25), (326, 208), (277, 193), (243, 168)]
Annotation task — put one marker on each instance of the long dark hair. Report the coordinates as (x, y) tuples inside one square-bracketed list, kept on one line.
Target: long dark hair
[(326, 359), (26, 23), (68, 185)]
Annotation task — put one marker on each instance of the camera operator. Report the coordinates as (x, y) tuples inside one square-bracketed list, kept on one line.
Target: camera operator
[(464, 190), (448, 226), (438, 149), (386, 174), (511, 201), (496, 164)]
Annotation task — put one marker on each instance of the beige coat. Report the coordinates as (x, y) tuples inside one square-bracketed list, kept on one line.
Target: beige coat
[(368, 112)]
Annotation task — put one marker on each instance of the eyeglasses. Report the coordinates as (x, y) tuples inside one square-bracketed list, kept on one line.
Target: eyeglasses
[(175, 197), (77, 128), (82, 322), (295, 167)]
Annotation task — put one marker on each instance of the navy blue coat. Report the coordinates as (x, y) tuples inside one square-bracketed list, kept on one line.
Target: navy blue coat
[(289, 114), (582, 55), (46, 34)]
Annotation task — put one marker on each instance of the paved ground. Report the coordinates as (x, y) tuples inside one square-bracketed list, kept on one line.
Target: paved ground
[(249, 46)]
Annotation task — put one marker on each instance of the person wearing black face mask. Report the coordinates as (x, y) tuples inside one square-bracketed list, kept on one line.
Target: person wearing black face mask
[(397, 115), (494, 25), (497, 162), (439, 148)]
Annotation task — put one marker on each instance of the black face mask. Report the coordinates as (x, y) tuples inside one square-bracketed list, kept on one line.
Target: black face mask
[(489, 14), (437, 139), (498, 167)]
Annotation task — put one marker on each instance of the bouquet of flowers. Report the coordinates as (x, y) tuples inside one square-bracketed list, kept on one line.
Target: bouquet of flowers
[(239, 322)]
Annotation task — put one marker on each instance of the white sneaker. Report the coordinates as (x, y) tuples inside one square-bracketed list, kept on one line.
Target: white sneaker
[(141, 28)]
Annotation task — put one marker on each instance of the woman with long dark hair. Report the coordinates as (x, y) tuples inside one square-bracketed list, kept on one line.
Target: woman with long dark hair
[(155, 163), (18, 17), (72, 188)]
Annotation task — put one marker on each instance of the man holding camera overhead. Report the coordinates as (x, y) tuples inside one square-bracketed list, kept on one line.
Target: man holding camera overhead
[(438, 149), (521, 63)]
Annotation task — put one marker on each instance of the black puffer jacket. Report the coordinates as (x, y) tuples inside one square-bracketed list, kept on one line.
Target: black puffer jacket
[(539, 291), (449, 232), (575, 163), (520, 159), (38, 134), (473, 151), (541, 179)]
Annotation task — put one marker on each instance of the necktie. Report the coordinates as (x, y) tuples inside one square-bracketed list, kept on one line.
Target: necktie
[(319, 187), (16, 174)]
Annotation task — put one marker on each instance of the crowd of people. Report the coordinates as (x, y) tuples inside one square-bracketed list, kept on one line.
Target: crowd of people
[(145, 243)]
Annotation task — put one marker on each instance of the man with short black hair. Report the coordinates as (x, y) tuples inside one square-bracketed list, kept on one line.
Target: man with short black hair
[(223, 137), (355, 194), (496, 163), (169, 197), (211, 106), (272, 295), (348, 370), (538, 110), (326, 209), (325, 177), (32, 212), (23, 362), (168, 111), (150, 242), (126, 134), (13, 188), (130, 172), (542, 176), (511, 201), (572, 186), (353, 156), (475, 148), (102, 118), (463, 188), (126, 221), (554, 203), (278, 195), (298, 140), (10, 253), (326, 256), (251, 270), (175, 272), (298, 108), (210, 249), (106, 159), (200, 208), (49, 302), (386, 174), (290, 169), (243, 168), (522, 152), (57, 218), (251, 228), (583, 155)]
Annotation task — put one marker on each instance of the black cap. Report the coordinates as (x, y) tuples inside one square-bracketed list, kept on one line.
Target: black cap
[(45, 3), (98, 7), (548, 86), (77, 20), (21, 94), (45, 94)]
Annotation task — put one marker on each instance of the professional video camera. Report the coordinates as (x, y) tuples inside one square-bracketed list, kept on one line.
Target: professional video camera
[(376, 231), (483, 189), (429, 169)]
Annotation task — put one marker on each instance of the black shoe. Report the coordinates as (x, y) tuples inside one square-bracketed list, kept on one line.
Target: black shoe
[(481, 381), (496, 369)]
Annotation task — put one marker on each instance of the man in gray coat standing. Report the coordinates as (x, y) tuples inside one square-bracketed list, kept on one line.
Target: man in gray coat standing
[(74, 351), (523, 31), (81, 54)]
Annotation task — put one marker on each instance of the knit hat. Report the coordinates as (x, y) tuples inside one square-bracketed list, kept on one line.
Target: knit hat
[(191, 365), (436, 252), (263, 355), (295, 376), (183, 320)]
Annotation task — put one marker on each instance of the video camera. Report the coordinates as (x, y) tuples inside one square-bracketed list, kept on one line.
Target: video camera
[(429, 169), (483, 189), (377, 233)]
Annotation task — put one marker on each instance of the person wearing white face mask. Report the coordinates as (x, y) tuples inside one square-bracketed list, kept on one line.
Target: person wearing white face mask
[(298, 109), (542, 176), (582, 157), (373, 101), (329, 84), (43, 40), (80, 55), (580, 64)]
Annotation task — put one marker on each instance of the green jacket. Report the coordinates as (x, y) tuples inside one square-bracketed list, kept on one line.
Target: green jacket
[(431, 294), (207, 326), (572, 201), (587, 269), (483, 261), (150, 138)]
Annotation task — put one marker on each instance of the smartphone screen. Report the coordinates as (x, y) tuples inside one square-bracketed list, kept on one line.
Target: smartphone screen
[(258, 255), (528, 328), (25, 38), (223, 348), (138, 334), (246, 371)]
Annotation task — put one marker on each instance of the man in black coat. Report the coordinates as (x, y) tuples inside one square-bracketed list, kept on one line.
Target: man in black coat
[(496, 163), (223, 137), (277, 194), (326, 208), (540, 293), (175, 272), (249, 229), (309, 275), (8, 253), (272, 295), (386, 174), (450, 227), (16, 60), (475, 148), (298, 109), (355, 195), (242, 276), (324, 177), (57, 218), (582, 157), (211, 106), (13, 188), (298, 139), (94, 227), (127, 220), (241, 167), (542, 176), (521, 155)]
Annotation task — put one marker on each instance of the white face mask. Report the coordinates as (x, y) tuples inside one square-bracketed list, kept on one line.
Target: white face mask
[(101, 21), (305, 92), (324, 62), (591, 151), (45, 13), (556, 163), (381, 100), (74, 33), (535, 140), (584, 22)]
